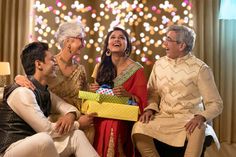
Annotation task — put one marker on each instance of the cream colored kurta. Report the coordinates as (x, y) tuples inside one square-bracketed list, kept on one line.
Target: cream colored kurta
[(28, 109), (177, 88)]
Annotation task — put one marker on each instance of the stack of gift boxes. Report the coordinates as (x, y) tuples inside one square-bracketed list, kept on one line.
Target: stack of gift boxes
[(108, 106)]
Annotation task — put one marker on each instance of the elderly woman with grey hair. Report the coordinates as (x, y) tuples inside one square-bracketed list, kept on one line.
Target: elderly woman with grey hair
[(71, 76)]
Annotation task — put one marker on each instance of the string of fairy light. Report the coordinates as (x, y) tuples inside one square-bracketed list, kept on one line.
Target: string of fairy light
[(144, 20)]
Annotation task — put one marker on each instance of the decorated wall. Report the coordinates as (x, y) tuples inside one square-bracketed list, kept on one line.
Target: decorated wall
[(144, 20)]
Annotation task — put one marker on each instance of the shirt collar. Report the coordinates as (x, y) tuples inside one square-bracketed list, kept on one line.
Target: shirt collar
[(37, 84), (179, 59)]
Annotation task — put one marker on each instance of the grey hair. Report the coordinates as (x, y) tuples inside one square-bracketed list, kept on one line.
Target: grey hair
[(69, 29), (184, 34)]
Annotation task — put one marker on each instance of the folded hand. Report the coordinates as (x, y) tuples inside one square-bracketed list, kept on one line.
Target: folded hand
[(197, 121), (65, 123), (147, 116)]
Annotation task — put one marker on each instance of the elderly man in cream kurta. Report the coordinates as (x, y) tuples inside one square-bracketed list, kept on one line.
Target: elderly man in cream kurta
[(178, 87)]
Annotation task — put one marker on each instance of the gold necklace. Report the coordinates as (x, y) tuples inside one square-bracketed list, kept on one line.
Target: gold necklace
[(64, 61)]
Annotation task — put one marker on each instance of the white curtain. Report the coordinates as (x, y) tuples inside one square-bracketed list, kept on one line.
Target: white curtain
[(216, 45)]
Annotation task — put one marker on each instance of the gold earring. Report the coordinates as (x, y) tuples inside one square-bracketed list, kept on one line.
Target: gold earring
[(108, 53), (127, 53), (69, 47), (40, 68)]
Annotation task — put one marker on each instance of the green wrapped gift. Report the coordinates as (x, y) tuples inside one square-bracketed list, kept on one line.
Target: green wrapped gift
[(103, 98)]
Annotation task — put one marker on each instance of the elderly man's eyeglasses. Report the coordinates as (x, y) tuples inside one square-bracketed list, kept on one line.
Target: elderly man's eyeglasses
[(168, 39)]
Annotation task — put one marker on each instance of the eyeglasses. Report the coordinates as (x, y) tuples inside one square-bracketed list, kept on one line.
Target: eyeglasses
[(168, 39), (81, 39), (77, 37)]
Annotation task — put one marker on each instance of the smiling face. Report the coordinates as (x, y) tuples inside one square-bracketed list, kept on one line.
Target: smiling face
[(117, 42), (76, 44), (48, 66), (174, 48)]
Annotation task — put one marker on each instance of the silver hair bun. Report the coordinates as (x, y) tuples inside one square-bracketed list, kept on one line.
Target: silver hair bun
[(69, 29)]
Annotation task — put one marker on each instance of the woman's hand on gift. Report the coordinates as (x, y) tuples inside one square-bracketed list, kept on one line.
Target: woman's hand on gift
[(120, 91), (93, 87), (86, 121), (23, 81)]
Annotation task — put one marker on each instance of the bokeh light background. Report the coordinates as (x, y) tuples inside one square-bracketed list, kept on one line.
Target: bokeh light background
[(144, 20)]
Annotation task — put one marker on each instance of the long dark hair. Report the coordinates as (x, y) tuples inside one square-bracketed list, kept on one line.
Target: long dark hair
[(107, 71)]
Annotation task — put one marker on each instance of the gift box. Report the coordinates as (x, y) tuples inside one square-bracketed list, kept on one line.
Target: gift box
[(111, 110), (103, 97), (106, 91)]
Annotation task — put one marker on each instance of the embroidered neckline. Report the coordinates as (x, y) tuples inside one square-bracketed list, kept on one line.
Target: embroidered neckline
[(127, 73), (179, 60)]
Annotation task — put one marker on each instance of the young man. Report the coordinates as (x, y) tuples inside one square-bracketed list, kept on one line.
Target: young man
[(178, 87), (24, 126)]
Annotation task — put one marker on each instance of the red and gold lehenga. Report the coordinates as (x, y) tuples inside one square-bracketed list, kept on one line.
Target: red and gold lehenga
[(113, 137)]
